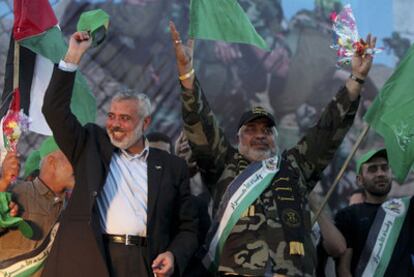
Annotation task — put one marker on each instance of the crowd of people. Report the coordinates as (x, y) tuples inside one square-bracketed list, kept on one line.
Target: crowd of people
[(119, 201)]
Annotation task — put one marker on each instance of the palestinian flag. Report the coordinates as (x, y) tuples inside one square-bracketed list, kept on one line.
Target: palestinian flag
[(41, 46)]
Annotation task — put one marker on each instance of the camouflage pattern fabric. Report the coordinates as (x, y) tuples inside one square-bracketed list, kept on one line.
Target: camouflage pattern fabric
[(257, 241)]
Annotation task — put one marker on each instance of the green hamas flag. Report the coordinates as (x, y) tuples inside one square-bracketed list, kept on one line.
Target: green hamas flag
[(222, 20), (392, 116)]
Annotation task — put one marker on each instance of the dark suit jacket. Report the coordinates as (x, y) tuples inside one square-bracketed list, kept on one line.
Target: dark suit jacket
[(78, 248)]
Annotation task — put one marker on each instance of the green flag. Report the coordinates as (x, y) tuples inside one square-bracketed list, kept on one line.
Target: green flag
[(222, 20), (41, 46), (392, 116), (50, 47), (96, 22)]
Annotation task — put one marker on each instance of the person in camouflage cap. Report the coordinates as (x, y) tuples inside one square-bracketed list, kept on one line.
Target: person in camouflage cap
[(260, 243)]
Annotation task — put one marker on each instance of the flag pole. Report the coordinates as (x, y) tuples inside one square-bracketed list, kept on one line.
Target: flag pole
[(16, 64), (341, 172)]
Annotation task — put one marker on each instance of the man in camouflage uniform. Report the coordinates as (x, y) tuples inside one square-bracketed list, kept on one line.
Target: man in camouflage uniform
[(257, 245)]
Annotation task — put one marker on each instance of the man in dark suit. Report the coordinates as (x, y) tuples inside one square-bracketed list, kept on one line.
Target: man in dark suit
[(130, 213)]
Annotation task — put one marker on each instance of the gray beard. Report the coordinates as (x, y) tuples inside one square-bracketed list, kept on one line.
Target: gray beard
[(136, 135), (256, 155)]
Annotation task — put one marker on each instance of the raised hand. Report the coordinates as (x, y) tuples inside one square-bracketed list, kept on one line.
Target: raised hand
[(10, 170), (184, 57), (78, 44), (361, 64)]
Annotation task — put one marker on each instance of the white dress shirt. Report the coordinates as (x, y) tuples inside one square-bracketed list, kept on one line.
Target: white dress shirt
[(122, 203)]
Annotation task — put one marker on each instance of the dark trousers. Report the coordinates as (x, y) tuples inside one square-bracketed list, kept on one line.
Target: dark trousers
[(127, 260)]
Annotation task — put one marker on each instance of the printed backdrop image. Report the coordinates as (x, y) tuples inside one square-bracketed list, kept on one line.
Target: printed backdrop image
[(294, 80)]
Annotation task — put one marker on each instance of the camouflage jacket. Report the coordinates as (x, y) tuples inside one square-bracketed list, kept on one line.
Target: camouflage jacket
[(257, 240)]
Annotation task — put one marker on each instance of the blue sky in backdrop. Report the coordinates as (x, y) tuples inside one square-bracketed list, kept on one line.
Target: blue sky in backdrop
[(372, 16)]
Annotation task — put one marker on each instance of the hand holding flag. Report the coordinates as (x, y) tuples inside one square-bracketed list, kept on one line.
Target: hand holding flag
[(96, 23), (14, 209), (78, 44)]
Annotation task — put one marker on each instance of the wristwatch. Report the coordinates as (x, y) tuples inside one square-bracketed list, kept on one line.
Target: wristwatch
[(356, 79)]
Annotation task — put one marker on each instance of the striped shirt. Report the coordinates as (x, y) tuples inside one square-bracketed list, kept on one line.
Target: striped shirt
[(122, 203)]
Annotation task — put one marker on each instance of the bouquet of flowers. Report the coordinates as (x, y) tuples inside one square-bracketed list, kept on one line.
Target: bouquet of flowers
[(346, 38), (14, 123)]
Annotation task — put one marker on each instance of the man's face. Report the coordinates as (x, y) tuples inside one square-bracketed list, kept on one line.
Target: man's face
[(376, 176), (124, 125), (257, 140)]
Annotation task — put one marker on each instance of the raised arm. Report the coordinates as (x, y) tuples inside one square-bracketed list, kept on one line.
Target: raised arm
[(317, 148), (67, 130), (343, 221), (333, 240), (344, 264), (360, 68), (208, 143), (184, 57)]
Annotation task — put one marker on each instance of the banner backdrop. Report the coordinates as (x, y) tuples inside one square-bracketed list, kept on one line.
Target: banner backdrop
[(294, 80)]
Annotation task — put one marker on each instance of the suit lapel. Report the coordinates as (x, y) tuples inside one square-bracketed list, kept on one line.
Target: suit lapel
[(155, 169)]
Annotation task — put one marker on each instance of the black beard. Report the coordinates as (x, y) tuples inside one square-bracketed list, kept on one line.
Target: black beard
[(379, 193)]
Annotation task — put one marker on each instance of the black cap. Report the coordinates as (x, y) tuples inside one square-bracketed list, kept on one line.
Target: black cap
[(255, 113)]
